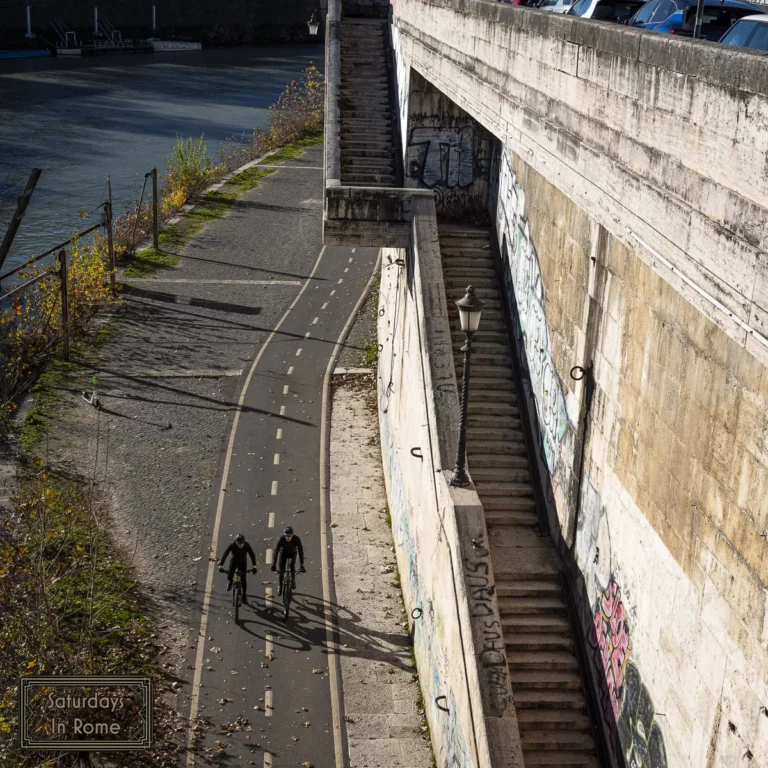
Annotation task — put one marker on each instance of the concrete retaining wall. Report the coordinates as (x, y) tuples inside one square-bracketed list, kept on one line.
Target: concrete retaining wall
[(439, 531)]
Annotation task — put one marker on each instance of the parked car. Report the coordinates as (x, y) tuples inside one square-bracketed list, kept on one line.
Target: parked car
[(555, 6), (749, 32), (620, 11), (678, 17)]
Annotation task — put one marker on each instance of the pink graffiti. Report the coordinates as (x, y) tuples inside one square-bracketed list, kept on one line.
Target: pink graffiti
[(609, 636)]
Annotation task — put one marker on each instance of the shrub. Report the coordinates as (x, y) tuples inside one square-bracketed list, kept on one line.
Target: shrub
[(189, 170)]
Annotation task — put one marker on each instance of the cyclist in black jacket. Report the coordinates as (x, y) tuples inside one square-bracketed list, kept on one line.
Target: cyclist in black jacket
[(287, 547), (239, 549)]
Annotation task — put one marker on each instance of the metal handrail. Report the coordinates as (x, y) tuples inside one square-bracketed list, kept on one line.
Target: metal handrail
[(50, 251)]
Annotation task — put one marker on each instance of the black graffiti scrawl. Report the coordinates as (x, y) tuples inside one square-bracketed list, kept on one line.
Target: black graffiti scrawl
[(639, 733)]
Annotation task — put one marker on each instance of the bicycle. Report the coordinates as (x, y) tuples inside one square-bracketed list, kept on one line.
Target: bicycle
[(288, 585), (237, 592)]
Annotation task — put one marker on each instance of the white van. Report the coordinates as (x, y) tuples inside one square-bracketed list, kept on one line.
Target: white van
[(555, 6)]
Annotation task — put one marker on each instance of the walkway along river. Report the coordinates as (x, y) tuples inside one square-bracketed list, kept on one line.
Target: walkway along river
[(83, 119)]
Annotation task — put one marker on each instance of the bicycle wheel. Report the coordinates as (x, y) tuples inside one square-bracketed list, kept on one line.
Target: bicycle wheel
[(286, 594), (236, 600)]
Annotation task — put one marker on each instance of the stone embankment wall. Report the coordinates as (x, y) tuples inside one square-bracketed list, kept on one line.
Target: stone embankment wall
[(439, 532), (630, 199), (222, 22)]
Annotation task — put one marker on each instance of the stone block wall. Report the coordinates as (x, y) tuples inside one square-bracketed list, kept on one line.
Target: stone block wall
[(630, 200)]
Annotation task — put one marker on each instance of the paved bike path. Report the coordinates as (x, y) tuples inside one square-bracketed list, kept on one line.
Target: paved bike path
[(272, 673)]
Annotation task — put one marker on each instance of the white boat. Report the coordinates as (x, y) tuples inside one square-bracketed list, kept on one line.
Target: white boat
[(173, 45)]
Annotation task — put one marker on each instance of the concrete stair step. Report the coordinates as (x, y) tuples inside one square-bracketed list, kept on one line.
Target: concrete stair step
[(561, 759), (538, 623), (493, 382), (498, 440), (363, 122), (460, 261), (490, 371), (457, 292), (499, 474), (503, 489), (525, 516), (477, 281), (525, 659), (524, 588), (520, 510), (362, 180), (370, 162), (481, 337), (543, 679), (495, 409), (490, 422), (532, 698), (537, 641), (466, 246), (487, 389), (548, 604), (365, 144), (363, 151), (553, 720), (564, 740), (498, 461)]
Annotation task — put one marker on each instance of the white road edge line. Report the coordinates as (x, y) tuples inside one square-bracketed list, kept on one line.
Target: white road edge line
[(195, 698), (333, 659)]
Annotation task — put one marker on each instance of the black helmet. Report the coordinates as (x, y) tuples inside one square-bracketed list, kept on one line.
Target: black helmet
[(239, 538), (288, 530)]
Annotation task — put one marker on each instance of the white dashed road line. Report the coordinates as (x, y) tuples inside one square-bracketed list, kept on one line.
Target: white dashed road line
[(282, 410), (271, 523), (314, 322), (279, 434), (268, 702), (277, 458), (290, 370), (306, 335), (333, 291), (269, 557), (274, 487), (324, 305), (298, 352), (285, 389)]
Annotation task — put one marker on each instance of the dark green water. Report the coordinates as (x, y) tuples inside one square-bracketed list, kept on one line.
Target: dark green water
[(83, 119)]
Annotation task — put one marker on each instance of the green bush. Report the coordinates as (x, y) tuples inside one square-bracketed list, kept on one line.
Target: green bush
[(189, 169)]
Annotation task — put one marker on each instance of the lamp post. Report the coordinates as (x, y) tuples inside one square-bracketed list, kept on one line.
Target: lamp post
[(470, 309), (313, 24)]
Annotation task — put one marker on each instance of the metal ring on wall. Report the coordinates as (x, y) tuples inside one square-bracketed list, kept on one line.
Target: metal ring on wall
[(438, 705), (577, 368), (417, 613)]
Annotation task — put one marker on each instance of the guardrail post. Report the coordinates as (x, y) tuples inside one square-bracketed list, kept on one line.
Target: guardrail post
[(64, 301), (110, 248), (155, 233)]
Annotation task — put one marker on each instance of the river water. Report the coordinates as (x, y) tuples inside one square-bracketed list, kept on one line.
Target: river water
[(81, 120)]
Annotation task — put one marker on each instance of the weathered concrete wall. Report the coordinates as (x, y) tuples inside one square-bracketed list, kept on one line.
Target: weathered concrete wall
[(225, 21), (630, 201), (448, 152), (439, 531)]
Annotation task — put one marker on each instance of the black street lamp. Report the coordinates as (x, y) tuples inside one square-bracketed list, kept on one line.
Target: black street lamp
[(470, 309), (313, 24)]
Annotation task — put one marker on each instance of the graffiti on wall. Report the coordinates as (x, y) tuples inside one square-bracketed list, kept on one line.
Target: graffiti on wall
[(524, 282), (442, 156), (426, 638), (492, 651), (627, 705), (609, 637)]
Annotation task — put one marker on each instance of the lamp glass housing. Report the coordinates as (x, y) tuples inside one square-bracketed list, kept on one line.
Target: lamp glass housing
[(470, 311), (313, 25)]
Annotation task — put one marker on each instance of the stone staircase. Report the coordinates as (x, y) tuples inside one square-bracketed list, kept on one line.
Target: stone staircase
[(367, 139), (546, 681)]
